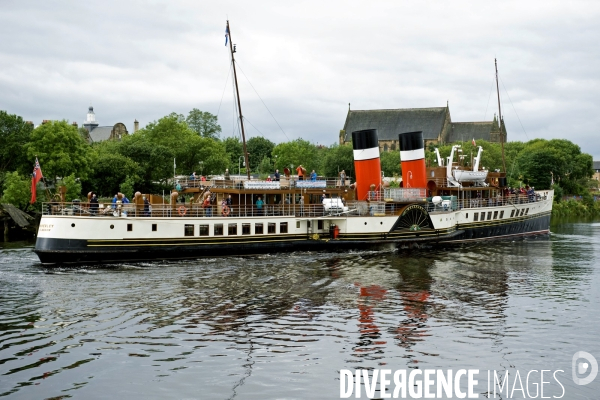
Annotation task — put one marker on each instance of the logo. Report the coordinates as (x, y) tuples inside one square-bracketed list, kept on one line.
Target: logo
[(580, 367)]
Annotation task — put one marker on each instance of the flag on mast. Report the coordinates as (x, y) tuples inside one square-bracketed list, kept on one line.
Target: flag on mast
[(473, 142), (35, 178), (226, 34)]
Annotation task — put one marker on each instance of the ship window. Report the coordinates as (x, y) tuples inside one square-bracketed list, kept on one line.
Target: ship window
[(475, 216), (218, 230), (320, 224), (527, 211), (283, 227), (203, 230), (232, 229), (153, 227), (245, 229), (272, 227), (307, 224), (297, 224), (512, 213), (258, 229), (129, 227), (522, 212), (188, 230), (501, 214), (482, 216), (495, 214), (467, 216), (489, 215)]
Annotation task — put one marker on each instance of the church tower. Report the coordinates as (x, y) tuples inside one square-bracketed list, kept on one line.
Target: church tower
[(90, 122)]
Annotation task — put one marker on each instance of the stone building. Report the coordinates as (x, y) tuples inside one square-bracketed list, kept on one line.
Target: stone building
[(434, 122), (97, 133)]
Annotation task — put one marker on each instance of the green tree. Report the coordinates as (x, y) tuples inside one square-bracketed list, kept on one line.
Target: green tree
[(17, 190), (390, 163), (14, 135), (298, 152), (258, 148), (73, 187), (111, 169), (339, 157), (154, 162), (60, 149), (234, 149), (204, 124)]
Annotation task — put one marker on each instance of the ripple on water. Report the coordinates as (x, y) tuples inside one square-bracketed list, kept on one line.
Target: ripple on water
[(283, 326)]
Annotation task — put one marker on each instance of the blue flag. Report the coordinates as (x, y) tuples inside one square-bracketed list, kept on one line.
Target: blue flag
[(226, 34)]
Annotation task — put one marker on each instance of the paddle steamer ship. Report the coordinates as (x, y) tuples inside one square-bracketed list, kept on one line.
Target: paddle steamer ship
[(443, 205)]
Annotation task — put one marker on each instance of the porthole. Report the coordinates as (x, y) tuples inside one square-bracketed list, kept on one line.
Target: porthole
[(381, 223), (365, 223), (112, 227), (72, 225)]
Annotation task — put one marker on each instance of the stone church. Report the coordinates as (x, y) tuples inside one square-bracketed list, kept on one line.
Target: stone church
[(98, 133), (435, 123)]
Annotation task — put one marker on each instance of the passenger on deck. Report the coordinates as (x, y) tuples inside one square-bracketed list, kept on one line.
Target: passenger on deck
[(125, 200), (94, 204), (227, 176), (313, 175), (301, 206), (146, 207), (259, 206), (193, 176), (114, 200), (300, 171), (276, 175), (343, 178)]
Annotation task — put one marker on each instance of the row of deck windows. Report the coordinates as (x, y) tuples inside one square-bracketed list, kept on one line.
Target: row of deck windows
[(232, 229), (494, 214)]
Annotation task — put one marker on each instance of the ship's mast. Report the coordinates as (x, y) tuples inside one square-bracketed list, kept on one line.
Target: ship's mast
[(238, 101), (500, 120)]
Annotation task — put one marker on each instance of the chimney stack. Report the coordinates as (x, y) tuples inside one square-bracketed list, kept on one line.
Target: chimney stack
[(75, 124), (46, 121), (136, 126)]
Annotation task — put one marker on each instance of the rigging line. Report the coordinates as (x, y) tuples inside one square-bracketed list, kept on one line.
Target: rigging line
[(224, 88), (489, 97), (513, 106), (263, 102), (248, 121)]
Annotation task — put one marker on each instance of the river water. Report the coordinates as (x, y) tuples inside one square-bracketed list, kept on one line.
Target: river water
[(285, 326)]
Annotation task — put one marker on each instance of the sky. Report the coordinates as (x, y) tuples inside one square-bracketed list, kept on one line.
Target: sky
[(300, 64)]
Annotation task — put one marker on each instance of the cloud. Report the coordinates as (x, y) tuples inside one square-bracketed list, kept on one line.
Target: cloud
[(306, 60)]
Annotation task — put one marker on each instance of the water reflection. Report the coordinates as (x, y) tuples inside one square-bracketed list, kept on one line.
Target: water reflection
[(295, 319)]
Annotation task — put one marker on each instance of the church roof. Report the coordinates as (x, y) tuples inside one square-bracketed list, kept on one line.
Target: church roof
[(467, 131), (390, 123), (596, 166), (101, 133)]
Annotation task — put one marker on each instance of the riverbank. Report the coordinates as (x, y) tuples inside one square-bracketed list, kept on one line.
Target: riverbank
[(576, 208)]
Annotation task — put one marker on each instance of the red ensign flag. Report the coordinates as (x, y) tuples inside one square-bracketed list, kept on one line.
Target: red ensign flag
[(35, 178)]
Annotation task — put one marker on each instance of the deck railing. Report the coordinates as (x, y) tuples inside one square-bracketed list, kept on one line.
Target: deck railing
[(351, 208), (239, 182)]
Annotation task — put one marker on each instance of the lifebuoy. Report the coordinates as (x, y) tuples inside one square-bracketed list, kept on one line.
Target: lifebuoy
[(182, 210), (225, 211)]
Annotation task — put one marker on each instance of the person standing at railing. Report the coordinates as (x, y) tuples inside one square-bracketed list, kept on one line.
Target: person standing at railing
[(276, 175), (94, 204), (313, 176), (300, 170), (343, 178), (301, 206), (259, 206), (228, 204)]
